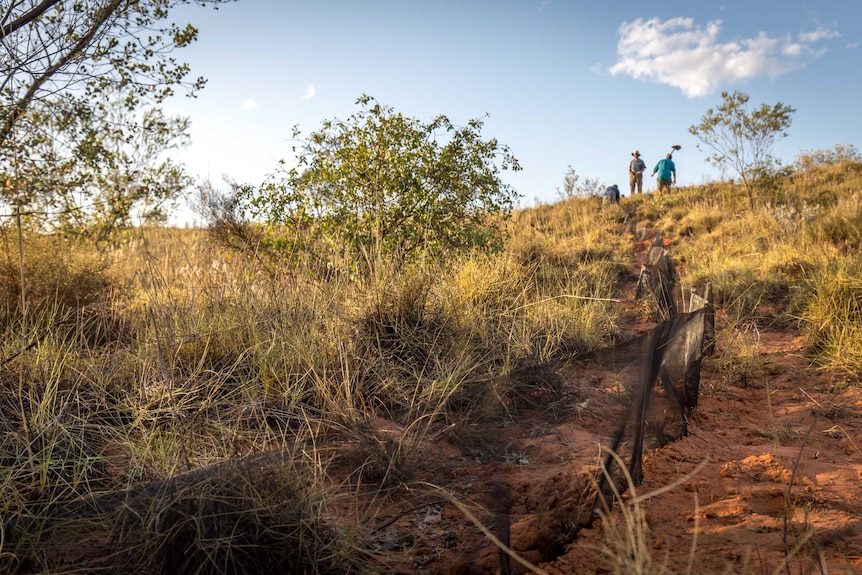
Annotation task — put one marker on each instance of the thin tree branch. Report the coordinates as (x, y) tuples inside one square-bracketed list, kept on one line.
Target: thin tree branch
[(27, 17), (101, 17)]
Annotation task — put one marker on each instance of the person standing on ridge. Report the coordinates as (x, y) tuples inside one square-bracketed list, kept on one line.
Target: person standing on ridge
[(666, 173), (636, 174)]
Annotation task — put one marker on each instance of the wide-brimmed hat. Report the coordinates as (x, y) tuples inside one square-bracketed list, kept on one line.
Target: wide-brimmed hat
[(636, 153)]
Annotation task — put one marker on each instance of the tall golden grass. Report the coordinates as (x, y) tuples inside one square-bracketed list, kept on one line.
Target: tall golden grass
[(124, 371)]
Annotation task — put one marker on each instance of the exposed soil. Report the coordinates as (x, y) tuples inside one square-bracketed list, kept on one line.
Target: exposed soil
[(768, 479), (774, 451)]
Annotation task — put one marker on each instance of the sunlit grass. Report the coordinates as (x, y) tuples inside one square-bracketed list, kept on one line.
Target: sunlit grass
[(169, 353)]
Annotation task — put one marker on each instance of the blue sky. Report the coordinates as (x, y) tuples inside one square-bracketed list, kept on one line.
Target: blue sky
[(564, 83)]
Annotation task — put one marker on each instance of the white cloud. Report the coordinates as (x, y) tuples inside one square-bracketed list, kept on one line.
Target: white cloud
[(689, 57), (310, 92), (819, 34), (248, 105)]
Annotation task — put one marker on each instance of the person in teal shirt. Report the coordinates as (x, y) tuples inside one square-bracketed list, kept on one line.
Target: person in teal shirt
[(666, 171)]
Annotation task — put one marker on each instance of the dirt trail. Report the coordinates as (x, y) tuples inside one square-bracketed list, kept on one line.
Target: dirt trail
[(779, 489)]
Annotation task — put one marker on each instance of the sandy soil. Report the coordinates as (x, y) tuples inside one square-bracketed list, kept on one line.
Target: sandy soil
[(769, 479)]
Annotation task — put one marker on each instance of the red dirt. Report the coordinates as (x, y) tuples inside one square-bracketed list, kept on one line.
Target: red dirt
[(779, 488)]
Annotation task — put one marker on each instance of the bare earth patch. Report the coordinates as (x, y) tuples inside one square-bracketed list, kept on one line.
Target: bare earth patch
[(779, 489), (769, 479)]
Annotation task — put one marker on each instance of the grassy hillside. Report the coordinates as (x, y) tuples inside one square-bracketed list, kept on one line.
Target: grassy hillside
[(170, 354)]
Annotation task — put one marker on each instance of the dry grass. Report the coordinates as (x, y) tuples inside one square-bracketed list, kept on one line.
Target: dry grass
[(128, 369)]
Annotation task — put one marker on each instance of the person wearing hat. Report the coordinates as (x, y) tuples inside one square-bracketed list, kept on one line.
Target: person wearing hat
[(636, 173)]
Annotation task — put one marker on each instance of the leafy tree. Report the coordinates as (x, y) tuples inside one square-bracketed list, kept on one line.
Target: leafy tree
[(89, 47), (741, 140), (573, 186), (61, 59), (839, 154), (93, 167), (380, 183)]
